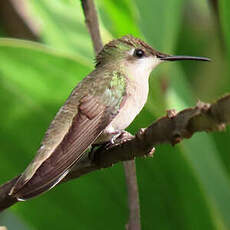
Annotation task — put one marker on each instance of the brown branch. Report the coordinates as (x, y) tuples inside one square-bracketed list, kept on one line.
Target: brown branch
[(6, 200), (172, 128), (91, 21), (133, 198)]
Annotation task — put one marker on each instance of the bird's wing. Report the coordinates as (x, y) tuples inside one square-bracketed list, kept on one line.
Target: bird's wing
[(89, 122)]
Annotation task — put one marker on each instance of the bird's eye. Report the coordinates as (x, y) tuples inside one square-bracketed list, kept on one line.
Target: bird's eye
[(139, 53)]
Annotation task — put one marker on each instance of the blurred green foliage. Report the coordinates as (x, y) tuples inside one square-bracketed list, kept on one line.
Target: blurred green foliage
[(182, 187)]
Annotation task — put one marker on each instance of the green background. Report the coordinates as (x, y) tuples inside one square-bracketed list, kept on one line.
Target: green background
[(182, 187)]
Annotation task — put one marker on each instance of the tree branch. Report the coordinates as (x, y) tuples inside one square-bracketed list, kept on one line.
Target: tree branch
[(172, 128), (6, 200)]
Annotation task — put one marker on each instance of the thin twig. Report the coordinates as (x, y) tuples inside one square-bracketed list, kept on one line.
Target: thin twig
[(130, 167), (133, 198), (91, 21)]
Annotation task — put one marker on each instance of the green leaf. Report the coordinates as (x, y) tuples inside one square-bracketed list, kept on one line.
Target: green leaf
[(62, 25), (159, 21), (119, 17)]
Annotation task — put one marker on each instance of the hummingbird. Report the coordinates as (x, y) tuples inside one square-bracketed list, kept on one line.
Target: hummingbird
[(99, 108)]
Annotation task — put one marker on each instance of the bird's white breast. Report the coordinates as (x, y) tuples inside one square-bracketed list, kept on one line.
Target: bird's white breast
[(137, 92), (136, 98)]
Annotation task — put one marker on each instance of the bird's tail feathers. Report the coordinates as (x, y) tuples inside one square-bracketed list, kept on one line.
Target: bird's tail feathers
[(30, 190)]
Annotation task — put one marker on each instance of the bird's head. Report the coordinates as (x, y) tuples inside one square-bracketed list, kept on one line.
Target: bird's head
[(133, 53)]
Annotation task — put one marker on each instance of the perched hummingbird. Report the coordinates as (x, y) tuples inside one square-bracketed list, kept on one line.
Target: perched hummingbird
[(101, 106)]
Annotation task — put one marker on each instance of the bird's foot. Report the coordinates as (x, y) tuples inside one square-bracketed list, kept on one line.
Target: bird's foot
[(120, 137)]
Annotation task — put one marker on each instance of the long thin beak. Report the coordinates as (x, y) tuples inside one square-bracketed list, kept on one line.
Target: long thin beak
[(166, 57)]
